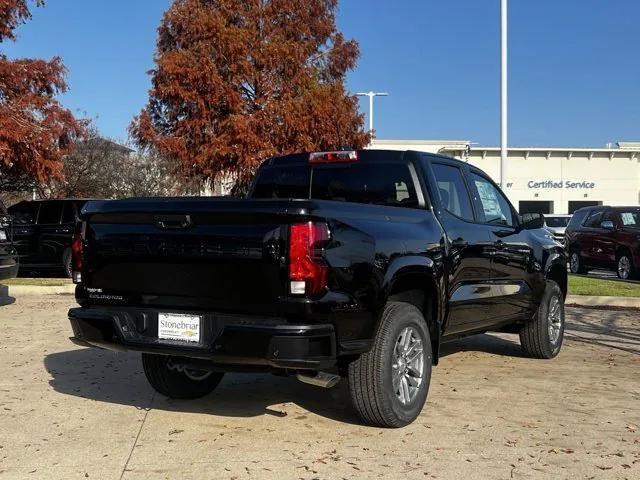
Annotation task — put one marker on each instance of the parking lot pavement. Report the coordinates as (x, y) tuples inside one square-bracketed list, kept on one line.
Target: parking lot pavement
[(69, 412)]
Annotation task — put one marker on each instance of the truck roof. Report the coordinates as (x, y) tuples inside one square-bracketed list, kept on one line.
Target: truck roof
[(363, 155)]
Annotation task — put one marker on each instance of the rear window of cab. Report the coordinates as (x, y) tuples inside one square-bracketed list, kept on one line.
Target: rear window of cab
[(376, 183)]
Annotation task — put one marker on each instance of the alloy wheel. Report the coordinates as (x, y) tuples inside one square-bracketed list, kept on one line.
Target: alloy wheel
[(574, 263), (554, 318), (624, 267), (408, 365)]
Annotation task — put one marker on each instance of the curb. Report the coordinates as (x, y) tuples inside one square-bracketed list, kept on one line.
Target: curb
[(20, 290), (602, 301)]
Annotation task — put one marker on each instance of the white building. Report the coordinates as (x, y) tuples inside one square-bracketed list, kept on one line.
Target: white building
[(548, 179)]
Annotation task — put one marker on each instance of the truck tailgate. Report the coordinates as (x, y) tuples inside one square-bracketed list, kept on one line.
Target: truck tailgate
[(224, 253)]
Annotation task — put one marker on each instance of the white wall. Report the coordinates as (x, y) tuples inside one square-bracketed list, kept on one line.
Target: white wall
[(616, 181)]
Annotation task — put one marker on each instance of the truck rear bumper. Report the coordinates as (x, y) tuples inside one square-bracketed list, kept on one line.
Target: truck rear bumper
[(229, 341)]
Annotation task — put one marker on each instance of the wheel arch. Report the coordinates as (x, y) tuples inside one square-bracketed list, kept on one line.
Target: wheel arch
[(557, 271), (573, 247), (417, 285), (623, 249)]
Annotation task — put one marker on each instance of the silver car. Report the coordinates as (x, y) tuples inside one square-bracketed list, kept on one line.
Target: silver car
[(557, 224)]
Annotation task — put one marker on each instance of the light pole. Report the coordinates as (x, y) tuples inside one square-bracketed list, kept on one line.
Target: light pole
[(371, 95), (503, 94)]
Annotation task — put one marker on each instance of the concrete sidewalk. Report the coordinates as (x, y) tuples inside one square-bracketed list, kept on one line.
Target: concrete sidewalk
[(21, 290), (603, 301), (69, 412)]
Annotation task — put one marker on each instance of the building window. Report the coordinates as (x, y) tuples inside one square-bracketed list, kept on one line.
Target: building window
[(577, 204), (535, 206)]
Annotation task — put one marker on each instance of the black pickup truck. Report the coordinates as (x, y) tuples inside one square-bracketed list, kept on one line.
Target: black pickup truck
[(8, 254), (341, 264), (42, 233)]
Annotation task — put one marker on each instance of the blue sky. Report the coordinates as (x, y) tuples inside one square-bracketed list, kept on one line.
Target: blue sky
[(574, 65)]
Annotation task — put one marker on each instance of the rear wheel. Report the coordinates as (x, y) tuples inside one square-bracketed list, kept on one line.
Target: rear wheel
[(389, 384), (542, 336), (625, 268), (576, 265), (175, 381)]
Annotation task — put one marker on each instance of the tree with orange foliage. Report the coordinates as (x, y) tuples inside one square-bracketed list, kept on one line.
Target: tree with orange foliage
[(237, 81), (35, 130)]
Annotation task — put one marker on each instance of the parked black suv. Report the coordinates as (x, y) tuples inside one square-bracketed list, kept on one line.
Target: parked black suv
[(605, 237), (340, 264), (8, 255), (43, 232)]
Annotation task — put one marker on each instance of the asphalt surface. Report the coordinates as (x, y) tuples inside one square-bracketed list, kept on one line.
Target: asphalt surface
[(68, 412)]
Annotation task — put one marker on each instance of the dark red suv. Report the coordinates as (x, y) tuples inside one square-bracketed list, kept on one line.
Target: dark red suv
[(605, 237)]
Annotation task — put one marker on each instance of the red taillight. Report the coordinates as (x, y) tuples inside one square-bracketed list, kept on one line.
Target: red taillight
[(307, 270), (76, 254), (333, 157)]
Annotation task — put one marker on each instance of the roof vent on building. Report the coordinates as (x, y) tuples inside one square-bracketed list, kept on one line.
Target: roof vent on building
[(628, 145)]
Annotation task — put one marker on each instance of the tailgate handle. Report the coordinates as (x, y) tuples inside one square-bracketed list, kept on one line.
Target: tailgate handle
[(173, 222)]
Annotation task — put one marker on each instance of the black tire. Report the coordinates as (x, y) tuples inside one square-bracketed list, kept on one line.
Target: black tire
[(175, 383), (576, 264), (67, 263), (535, 336), (371, 382), (628, 273)]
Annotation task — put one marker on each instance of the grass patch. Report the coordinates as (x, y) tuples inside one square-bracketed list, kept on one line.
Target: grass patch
[(597, 287), (39, 282)]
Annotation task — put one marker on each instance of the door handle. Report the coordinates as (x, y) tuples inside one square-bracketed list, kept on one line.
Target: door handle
[(173, 222), (459, 243)]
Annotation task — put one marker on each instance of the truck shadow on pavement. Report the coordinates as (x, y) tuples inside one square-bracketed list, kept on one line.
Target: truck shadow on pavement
[(607, 332), (118, 378)]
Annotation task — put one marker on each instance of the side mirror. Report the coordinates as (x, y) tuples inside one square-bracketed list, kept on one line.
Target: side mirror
[(607, 225), (531, 221)]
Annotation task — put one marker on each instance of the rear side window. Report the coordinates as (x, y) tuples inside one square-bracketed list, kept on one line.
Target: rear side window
[(594, 219), (378, 183), (50, 213), (452, 191), (69, 214), (24, 213), (577, 218)]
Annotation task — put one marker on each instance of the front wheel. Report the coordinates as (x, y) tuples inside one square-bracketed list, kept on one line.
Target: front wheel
[(389, 384), (175, 381), (542, 336)]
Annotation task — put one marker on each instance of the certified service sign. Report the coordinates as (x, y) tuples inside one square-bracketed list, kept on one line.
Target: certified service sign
[(558, 184)]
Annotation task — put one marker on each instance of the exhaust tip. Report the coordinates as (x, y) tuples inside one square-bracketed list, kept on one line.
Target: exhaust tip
[(320, 379)]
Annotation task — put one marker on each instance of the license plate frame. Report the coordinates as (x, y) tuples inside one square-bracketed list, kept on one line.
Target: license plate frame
[(180, 327)]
